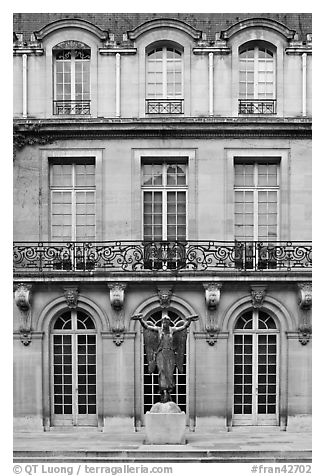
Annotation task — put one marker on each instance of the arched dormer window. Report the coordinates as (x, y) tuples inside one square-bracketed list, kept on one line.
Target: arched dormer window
[(164, 83), (71, 78), (257, 94)]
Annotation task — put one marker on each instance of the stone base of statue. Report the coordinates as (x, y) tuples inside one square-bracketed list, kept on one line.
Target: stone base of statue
[(165, 425)]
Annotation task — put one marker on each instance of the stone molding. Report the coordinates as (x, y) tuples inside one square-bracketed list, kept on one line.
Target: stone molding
[(168, 23), (70, 23), (265, 23)]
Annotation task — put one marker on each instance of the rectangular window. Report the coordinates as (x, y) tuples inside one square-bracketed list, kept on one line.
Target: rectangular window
[(73, 201), (72, 81), (164, 188), (256, 201)]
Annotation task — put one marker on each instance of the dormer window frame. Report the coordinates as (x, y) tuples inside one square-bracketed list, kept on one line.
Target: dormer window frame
[(70, 53)]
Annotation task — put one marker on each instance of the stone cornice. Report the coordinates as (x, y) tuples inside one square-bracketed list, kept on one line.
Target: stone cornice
[(164, 23), (70, 23), (200, 127), (258, 23), (162, 277), (298, 50), (114, 50), (217, 50), (26, 50)]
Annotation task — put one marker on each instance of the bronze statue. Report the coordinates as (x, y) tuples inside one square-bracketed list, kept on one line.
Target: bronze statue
[(165, 348)]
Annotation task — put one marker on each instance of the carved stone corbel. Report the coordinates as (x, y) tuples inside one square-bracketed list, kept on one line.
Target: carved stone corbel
[(116, 296), (164, 296), (71, 294), (212, 299), (305, 295), (23, 302), (258, 292), (212, 295), (305, 304)]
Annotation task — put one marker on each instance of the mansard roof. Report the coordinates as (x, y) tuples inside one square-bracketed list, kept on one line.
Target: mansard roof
[(119, 23)]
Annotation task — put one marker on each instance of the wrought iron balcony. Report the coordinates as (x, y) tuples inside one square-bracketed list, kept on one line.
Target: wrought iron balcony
[(257, 106), (164, 106), (80, 106), (192, 256)]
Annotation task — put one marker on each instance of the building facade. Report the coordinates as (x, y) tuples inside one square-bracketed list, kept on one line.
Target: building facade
[(162, 163)]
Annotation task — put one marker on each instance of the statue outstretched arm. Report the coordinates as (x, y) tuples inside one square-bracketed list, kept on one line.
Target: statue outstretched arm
[(189, 319), (139, 317)]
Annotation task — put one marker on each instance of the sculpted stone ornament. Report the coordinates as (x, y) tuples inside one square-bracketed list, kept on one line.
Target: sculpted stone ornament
[(71, 294), (305, 304), (305, 295), (116, 295), (165, 349), (304, 332), (23, 302), (212, 299), (258, 294), (165, 295)]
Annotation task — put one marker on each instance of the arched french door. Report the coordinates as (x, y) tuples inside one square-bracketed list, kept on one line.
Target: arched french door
[(74, 370), (151, 393), (255, 369)]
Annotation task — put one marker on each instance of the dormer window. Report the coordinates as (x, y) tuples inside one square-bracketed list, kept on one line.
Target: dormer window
[(71, 78), (164, 81), (257, 80)]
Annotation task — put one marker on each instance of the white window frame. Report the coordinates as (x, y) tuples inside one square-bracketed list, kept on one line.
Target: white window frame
[(256, 49), (73, 189), (164, 188), (256, 189), (164, 73), (256, 418)]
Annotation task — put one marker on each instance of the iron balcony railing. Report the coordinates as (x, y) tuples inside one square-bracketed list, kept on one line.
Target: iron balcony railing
[(257, 106), (164, 106), (79, 106), (161, 256)]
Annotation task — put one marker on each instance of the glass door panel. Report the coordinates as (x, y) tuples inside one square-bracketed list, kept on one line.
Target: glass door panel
[(255, 387), (74, 370)]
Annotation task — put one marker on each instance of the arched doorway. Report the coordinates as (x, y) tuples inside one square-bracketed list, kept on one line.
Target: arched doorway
[(151, 393), (74, 370), (255, 369)]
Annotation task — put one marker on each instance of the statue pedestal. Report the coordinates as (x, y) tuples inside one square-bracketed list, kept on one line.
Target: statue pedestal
[(165, 425)]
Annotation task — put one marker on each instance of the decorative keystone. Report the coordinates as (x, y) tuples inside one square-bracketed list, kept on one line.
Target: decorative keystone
[(164, 296), (258, 294), (212, 295), (71, 294), (116, 295), (23, 302)]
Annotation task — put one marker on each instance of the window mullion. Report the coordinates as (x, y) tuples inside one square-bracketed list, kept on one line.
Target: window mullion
[(164, 72), (256, 72), (73, 75), (73, 204)]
